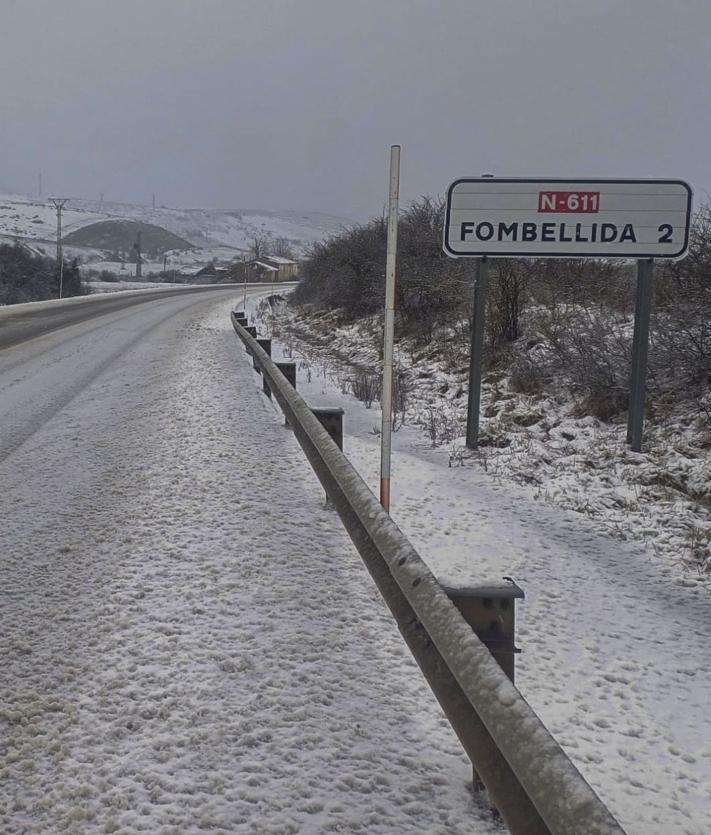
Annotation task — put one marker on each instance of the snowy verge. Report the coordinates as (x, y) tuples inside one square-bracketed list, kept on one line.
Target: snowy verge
[(661, 496)]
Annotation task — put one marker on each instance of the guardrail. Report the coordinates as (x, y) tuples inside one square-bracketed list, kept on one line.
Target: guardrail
[(528, 776)]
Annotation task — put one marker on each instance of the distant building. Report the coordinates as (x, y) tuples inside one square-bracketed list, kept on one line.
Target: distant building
[(209, 274), (268, 268), (261, 271), (286, 267)]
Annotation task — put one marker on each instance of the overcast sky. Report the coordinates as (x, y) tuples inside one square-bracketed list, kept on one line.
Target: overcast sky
[(293, 104)]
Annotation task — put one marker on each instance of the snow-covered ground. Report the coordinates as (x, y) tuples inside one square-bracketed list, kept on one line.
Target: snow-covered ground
[(189, 640), (616, 637), (216, 234), (661, 496), (96, 287)]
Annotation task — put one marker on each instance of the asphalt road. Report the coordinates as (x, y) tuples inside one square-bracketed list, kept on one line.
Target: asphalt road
[(18, 323)]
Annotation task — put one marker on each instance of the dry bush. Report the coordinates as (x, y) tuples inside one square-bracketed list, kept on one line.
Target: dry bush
[(575, 313), (402, 390), (527, 375), (506, 298), (681, 328), (366, 387), (441, 426)]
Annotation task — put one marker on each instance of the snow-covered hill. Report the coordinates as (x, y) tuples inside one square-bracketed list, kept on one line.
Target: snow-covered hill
[(215, 234)]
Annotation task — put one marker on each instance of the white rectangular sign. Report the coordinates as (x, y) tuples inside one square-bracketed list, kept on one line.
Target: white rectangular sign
[(570, 218)]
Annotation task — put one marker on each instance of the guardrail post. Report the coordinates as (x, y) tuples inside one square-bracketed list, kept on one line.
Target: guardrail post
[(252, 331), (332, 421), (490, 610), (265, 345), (288, 369)]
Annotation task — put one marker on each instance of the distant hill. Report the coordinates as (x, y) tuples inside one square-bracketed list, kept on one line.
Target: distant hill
[(96, 230), (121, 235)]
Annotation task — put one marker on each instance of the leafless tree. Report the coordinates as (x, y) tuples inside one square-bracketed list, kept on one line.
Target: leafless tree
[(259, 247)]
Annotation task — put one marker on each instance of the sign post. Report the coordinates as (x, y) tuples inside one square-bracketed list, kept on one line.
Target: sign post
[(389, 332), (540, 218), (477, 350), (640, 342)]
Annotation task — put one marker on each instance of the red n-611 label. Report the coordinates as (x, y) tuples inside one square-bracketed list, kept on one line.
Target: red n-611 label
[(578, 202)]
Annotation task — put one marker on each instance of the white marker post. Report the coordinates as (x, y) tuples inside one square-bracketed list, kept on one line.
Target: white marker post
[(244, 270), (389, 335)]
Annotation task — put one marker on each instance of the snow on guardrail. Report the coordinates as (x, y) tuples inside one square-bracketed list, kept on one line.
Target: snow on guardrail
[(529, 777)]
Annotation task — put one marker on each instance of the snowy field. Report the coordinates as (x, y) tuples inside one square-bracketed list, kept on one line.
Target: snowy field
[(661, 497), (616, 639), (218, 234), (190, 643)]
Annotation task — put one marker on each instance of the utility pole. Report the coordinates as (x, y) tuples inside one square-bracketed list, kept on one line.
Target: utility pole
[(139, 260), (39, 184), (58, 203)]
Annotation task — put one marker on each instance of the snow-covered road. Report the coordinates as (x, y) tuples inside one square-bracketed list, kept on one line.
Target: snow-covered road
[(189, 642)]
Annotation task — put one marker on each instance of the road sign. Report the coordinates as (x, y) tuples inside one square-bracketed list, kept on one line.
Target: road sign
[(567, 218)]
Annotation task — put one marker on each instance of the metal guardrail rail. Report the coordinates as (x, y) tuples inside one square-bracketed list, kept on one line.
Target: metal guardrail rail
[(528, 776)]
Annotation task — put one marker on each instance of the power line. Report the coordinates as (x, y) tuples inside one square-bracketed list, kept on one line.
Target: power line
[(58, 203)]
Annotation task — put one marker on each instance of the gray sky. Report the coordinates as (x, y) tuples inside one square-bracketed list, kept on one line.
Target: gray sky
[(293, 104)]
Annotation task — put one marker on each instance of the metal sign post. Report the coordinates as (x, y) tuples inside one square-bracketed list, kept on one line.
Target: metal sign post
[(477, 351), (389, 332), (640, 344)]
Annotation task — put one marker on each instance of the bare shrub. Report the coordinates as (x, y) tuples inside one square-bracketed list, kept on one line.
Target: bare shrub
[(366, 387), (603, 282), (507, 296), (602, 404), (441, 426), (582, 348), (681, 333), (402, 390), (527, 375)]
